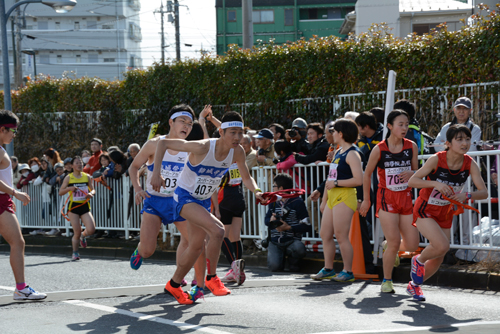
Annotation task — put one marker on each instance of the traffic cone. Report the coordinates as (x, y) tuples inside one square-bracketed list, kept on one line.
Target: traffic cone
[(358, 260)]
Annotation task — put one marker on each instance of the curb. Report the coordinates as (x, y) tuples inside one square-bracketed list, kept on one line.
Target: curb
[(447, 276)]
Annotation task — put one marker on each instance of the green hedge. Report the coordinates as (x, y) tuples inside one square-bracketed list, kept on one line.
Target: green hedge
[(270, 74)]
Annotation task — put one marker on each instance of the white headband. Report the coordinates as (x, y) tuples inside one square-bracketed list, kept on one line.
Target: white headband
[(234, 124), (181, 113)]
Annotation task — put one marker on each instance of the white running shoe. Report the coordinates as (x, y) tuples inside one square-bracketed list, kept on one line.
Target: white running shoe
[(54, 231), (28, 294), (229, 277), (238, 267)]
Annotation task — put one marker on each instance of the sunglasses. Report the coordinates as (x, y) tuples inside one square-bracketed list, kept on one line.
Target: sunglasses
[(13, 130)]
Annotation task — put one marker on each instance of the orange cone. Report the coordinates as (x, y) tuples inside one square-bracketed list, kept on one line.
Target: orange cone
[(358, 261)]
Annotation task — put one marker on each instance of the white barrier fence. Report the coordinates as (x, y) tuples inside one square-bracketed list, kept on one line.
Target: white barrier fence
[(115, 209)]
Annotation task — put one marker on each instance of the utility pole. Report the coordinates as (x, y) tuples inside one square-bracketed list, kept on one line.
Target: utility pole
[(161, 11), (246, 12), (18, 73), (177, 31)]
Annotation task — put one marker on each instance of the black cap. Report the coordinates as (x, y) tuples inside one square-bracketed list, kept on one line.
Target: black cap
[(67, 161), (463, 101), (265, 133)]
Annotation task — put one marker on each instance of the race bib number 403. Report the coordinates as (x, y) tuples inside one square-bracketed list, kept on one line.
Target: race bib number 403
[(205, 187), (392, 180)]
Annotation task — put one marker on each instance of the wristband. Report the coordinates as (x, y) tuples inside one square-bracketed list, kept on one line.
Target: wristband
[(468, 195), (256, 190)]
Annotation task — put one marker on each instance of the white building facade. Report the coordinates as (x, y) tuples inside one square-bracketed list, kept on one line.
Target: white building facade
[(96, 39)]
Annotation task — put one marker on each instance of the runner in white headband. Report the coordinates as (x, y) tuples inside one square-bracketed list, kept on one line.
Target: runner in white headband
[(226, 125), (181, 113)]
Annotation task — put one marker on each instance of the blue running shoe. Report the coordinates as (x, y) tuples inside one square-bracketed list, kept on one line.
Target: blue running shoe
[(196, 293), (323, 275), (417, 271), (135, 260), (416, 292), (344, 276)]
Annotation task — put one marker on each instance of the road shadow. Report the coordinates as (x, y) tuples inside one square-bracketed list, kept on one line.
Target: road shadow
[(427, 314), (48, 263), (324, 288), (375, 305)]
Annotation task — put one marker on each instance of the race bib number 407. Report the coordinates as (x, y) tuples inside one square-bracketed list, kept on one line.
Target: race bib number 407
[(392, 180)]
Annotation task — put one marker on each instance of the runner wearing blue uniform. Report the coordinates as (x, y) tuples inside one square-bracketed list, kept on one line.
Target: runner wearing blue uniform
[(208, 161), (158, 205)]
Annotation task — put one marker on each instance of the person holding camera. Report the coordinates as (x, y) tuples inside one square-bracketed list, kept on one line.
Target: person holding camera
[(265, 143), (297, 136), (287, 220)]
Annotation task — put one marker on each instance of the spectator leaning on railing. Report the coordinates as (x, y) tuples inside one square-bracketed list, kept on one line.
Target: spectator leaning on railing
[(265, 153), (26, 175)]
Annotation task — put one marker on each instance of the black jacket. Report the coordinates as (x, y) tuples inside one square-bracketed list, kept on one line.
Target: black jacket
[(318, 151)]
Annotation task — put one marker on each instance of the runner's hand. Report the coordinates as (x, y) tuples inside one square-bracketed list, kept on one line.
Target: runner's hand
[(90, 195), (140, 196), (315, 196), (23, 197), (365, 206), (329, 185), (157, 182), (460, 197), (258, 195), (405, 176), (444, 189)]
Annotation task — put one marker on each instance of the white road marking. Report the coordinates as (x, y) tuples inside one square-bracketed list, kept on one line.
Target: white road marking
[(8, 288), (142, 316), (415, 329)]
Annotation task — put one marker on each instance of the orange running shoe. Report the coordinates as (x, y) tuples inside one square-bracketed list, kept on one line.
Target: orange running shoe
[(217, 287), (179, 294)]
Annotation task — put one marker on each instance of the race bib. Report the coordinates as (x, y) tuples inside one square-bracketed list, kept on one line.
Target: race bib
[(392, 180), (204, 187), (80, 193), (332, 173), (170, 178), (436, 198), (235, 176)]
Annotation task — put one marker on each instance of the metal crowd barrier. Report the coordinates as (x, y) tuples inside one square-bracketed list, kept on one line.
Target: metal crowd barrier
[(116, 210)]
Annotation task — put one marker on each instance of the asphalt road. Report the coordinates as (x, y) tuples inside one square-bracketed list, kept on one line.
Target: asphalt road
[(106, 296)]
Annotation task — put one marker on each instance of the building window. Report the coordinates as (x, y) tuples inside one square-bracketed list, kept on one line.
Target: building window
[(43, 25), (231, 16), (78, 58), (91, 24), (421, 29), (134, 32), (77, 25), (289, 17), (334, 14), (59, 59), (44, 59), (108, 26), (58, 25), (337, 13), (109, 60), (263, 16)]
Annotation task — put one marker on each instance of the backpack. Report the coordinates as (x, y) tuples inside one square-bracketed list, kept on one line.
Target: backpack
[(423, 140)]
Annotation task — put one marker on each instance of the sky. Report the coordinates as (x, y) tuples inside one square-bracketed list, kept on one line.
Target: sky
[(197, 27)]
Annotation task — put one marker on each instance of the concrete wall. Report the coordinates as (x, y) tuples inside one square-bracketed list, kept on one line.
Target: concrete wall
[(370, 11)]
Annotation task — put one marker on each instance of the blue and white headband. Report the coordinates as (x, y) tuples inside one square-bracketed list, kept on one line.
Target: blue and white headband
[(234, 124), (181, 113)]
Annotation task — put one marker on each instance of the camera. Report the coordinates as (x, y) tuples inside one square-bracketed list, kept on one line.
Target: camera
[(292, 133), (276, 223), (261, 151)]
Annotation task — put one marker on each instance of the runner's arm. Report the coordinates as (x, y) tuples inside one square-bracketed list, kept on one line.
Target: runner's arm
[(418, 179), (354, 161), (248, 181), (481, 193), (367, 180), (64, 187), (145, 154)]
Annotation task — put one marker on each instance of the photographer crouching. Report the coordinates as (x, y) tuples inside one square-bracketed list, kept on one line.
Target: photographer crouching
[(287, 220)]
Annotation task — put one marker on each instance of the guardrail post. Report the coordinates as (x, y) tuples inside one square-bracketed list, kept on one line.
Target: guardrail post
[(125, 192)]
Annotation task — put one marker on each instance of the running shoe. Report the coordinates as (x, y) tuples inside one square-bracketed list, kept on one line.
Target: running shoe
[(75, 257), (397, 261), (135, 260), (417, 271), (229, 277), (196, 293), (324, 274), (184, 282), (387, 287), (194, 283), (416, 292), (179, 294), (28, 294), (344, 276), (238, 267), (83, 242), (217, 287)]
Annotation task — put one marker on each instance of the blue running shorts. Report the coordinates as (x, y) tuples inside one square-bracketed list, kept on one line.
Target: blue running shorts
[(182, 197), (162, 207)]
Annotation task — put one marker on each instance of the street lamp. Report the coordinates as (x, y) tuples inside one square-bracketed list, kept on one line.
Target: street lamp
[(31, 52), (58, 6)]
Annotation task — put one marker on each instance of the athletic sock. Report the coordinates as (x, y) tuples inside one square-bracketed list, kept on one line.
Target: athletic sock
[(228, 250), (422, 263), (174, 285), (238, 248), (209, 277), (20, 286), (328, 269), (413, 283), (385, 280)]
